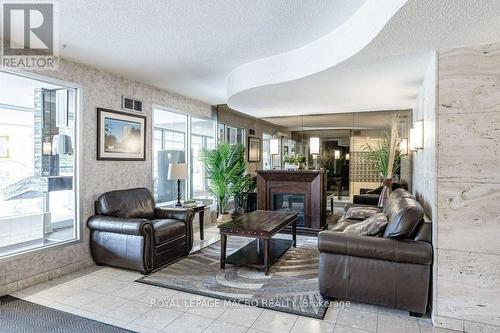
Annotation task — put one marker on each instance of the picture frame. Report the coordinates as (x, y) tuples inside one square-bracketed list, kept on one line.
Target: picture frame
[(254, 149), (121, 136)]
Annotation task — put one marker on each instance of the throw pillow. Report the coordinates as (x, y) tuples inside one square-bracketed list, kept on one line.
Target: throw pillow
[(372, 226), (342, 224), (361, 213)]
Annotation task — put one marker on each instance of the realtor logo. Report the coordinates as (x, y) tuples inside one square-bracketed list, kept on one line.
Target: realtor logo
[(29, 36)]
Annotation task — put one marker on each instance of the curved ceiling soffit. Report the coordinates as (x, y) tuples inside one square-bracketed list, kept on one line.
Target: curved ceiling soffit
[(324, 53)]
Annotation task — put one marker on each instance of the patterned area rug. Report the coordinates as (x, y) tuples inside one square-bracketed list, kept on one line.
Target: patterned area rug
[(291, 287), (18, 316)]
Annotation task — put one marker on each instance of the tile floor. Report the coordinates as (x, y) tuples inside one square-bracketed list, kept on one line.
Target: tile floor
[(110, 295)]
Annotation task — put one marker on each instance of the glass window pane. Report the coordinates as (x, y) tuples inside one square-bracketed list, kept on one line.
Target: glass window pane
[(202, 137), (169, 146), (266, 152), (37, 136)]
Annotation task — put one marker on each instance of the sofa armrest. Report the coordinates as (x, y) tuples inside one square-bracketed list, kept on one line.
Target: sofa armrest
[(119, 225), (182, 214), (401, 251)]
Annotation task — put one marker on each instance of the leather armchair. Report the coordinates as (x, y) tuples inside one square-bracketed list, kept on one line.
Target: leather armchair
[(129, 231)]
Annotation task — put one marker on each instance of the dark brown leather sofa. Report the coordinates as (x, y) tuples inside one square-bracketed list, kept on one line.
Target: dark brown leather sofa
[(371, 197), (129, 231), (393, 270)]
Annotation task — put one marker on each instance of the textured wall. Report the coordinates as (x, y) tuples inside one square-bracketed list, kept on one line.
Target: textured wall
[(468, 247), (99, 89)]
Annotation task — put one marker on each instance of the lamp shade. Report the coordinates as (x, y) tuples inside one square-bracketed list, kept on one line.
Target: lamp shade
[(337, 154), (274, 146), (177, 171), (347, 156), (314, 145), (419, 134)]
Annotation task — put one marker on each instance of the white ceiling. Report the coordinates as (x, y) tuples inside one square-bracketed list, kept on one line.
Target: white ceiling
[(190, 46), (199, 48)]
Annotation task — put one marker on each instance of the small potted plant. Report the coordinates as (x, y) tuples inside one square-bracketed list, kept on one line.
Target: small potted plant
[(290, 162), (300, 160)]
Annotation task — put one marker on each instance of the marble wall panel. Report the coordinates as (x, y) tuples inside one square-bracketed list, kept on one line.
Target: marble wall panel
[(468, 221), (470, 282)]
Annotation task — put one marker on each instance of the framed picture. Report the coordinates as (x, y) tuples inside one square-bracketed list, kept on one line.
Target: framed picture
[(120, 136), (253, 149)]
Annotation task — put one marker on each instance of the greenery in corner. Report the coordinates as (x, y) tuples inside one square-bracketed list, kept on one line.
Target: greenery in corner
[(225, 168), (379, 156)]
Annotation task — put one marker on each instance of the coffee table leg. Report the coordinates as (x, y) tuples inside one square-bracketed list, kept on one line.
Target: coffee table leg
[(331, 205), (266, 256), (294, 233), (201, 216), (223, 240)]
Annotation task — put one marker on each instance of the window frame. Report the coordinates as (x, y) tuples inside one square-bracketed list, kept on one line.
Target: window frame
[(76, 172)]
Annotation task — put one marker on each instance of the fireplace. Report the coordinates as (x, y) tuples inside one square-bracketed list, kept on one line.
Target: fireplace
[(290, 202), (302, 191)]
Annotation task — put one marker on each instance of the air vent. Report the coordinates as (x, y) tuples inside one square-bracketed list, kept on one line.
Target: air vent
[(251, 131), (131, 104)]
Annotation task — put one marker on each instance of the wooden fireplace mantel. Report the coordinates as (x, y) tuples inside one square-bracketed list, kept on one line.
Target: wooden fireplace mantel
[(310, 183)]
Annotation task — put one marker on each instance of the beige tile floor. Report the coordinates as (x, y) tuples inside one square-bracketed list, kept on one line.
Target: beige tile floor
[(110, 295)]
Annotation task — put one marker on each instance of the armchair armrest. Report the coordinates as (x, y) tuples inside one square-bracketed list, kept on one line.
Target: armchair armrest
[(181, 214), (119, 225), (401, 251)]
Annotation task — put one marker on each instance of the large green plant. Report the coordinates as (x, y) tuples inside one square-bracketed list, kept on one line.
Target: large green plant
[(223, 166), (379, 155)]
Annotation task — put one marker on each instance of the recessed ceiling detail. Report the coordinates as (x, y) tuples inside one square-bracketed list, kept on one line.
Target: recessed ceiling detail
[(326, 52)]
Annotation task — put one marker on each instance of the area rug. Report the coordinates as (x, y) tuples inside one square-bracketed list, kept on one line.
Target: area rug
[(291, 287), (18, 316)]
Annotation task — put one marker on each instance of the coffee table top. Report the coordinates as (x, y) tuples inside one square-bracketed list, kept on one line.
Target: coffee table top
[(264, 223)]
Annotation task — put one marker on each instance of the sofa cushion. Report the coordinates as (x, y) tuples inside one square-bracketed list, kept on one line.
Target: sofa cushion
[(131, 203), (394, 197), (361, 213), (404, 215), (372, 226), (167, 230)]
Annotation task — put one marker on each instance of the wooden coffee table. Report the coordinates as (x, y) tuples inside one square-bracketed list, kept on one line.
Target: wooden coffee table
[(264, 250)]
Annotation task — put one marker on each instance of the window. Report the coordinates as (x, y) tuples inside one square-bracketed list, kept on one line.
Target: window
[(231, 135), (266, 152), (37, 164), (169, 146), (202, 137)]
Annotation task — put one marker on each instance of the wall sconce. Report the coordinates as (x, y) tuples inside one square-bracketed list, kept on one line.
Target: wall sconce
[(314, 145), (274, 146), (47, 148), (403, 147), (347, 157), (417, 135), (337, 154)]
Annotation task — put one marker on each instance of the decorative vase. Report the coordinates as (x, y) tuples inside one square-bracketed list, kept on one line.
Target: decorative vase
[(290, 166), (223, 218), (237, 212), (386, 191)]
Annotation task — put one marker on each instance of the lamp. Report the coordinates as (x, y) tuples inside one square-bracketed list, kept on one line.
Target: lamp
[(274, 146), (177, 171), (419, 134), (337, 154), (314, 145), (347, 157), (403, 147)]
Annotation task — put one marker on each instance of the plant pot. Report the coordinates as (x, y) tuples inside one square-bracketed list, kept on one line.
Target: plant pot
[(223, 218), (237, 212), (289, 166)]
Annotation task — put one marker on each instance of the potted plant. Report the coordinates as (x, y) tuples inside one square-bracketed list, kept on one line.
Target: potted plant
[(300, 160), (242, 186), (290, 162), (386, 157), (222, 165)]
